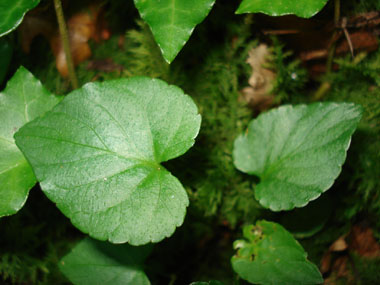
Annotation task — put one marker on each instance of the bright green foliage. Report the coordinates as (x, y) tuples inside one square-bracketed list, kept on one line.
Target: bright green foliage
[(97, 155), (5, 57), (23, 100), (290, 75), (93, 262), (12, 12), (296, 151), (143, 54), (173, 21), (301, 8), (270, 255)]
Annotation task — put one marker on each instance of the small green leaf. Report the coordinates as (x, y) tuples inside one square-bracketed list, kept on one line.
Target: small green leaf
[(5, 57), (297, 152), (12, 12), (172, 21), (23, 99), (270, 255), (93, 262), (97, 155), (301, 8)]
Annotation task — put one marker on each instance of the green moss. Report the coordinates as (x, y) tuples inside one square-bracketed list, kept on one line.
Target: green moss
[(357, 81), (367, 270), (33, 241)]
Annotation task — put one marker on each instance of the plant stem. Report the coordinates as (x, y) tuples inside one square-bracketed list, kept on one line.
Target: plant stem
[(333, 38), (325, 86), (66, 43)]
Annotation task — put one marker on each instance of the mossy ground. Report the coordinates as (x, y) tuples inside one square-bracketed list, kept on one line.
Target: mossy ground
[(211, 69)]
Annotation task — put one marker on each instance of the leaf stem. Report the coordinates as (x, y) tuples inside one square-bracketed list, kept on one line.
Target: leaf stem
[(65, 42), (325, 86), (333, 38)]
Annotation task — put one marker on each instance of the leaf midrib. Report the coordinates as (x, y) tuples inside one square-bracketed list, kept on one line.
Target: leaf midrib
[(141, 161)]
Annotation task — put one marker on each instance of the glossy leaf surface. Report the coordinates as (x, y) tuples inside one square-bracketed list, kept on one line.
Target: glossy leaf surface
[(12, 12), (297, 152), (93, 262), (172, 21), (270, 255), (97, 155), (301, 8), (23, 99)]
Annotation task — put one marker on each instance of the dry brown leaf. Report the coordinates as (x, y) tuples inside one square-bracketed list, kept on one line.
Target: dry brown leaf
[(82, 27), (257, 95), (359, 240), (339, 245), (363, 242), (326, 262)]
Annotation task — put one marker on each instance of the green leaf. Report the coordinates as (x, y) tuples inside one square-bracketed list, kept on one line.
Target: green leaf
[(93, 262), (5, 57), (297, 152), (301, 8), (97, 155), (12, 12), (270, 255), (173, 21), (23, 99)]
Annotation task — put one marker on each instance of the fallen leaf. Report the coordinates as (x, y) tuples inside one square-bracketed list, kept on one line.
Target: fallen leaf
[(363, 242), (339, 245), (82, 26), (257, 95)]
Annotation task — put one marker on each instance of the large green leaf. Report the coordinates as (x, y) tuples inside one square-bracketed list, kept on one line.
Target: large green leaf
[(270, 255), (173, 21), (296, 151), (23, 99), (301, 8), (97, 155), (12, 12), (93, 262), (5, 57)]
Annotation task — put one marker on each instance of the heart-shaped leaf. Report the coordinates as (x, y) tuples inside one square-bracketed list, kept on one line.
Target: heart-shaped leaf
[(270, 255), (301, 8), (97, 155), (23, 99), (12, 12), (93, 262), (172, 21), (296, 151)]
